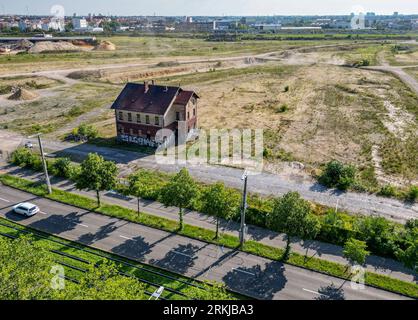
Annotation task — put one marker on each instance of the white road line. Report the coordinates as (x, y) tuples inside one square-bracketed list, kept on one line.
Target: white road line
[(5, 200), (43, 212), (123, 237), (246, 272), (83, 225), (183, 254), (314, 292)]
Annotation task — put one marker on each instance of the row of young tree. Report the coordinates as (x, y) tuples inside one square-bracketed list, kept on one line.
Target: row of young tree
[(289, 214)]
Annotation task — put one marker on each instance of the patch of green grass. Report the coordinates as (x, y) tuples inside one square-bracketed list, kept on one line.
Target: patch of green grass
[(315, 264)]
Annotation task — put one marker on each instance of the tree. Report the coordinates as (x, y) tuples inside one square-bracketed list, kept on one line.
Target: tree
[(179, 192), (24, 272), (356, 251), (138, 186), (103, 282), (338, 175), (292, 215), (97, 174), (220, 202), (210, 291)]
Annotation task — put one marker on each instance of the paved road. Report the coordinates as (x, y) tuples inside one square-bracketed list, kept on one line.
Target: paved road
[(264, 184), (324, 251), (249, 274)]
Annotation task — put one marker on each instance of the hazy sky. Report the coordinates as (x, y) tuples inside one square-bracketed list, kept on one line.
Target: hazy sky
[(209, 7)]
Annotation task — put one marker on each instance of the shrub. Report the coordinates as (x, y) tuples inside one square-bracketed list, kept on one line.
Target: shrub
[(286, 89), (282, 108), (412, 195), (387, 191), (62, 167), (338, 175), (20, 156)]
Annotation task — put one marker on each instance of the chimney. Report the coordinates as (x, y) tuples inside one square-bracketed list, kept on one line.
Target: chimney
[(146, 85), (153, 82)]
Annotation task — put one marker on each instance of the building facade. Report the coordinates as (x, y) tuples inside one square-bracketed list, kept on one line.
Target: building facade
[(142, 110)]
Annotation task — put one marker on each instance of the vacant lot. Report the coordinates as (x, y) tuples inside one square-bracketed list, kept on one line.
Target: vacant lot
[(311, 106)]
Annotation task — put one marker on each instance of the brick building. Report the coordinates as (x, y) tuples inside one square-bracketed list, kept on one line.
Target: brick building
[(141, 110)]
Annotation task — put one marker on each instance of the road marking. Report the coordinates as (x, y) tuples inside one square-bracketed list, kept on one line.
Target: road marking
[(183, 254), (246, 272), (83, 225), (5, 200), (123, 237), (315, 292), (43, 212)]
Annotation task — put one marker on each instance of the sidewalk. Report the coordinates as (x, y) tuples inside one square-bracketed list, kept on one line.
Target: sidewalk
[(317, 249)]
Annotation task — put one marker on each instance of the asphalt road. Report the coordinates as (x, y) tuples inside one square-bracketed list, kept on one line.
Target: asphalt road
[(255, 276)]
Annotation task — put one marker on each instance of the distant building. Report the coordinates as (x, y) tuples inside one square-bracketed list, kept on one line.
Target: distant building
[(79, 24), (142, 110), (268, 27), (23, 25)]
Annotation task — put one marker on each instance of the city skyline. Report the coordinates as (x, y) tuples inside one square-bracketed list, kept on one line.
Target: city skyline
[(210, 8)]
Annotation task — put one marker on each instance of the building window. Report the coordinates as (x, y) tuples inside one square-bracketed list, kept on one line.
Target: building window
[(130, 117), (157, 121), (139, 133), (147, 119), (188, 115), (121, 115), (131, 132), (120, 129), (138, 118), (178, 116), (194, 112)]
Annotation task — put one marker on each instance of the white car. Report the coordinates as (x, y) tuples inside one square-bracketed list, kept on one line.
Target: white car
[(26, 209)]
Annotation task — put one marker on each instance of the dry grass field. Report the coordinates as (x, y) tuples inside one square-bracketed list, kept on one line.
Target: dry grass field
[(312, 107)]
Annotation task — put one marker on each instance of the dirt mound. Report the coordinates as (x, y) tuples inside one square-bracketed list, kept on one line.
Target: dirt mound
[(23, 95), (48, 46), (23, 45), (86, 75), (105, 45)]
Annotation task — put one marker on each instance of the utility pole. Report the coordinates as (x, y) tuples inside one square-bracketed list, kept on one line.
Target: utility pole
[(48, 182), (243, 228)]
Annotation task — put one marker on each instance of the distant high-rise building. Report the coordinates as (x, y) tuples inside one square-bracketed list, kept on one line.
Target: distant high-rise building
[(79, 24)]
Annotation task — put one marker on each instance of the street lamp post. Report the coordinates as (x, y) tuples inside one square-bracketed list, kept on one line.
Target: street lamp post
[(243, 228), (48, 182)]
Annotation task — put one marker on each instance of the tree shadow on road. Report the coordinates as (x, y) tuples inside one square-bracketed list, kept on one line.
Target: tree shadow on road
[(331, 292), (102, 233), (57, 224), (179, 259), (255, 282), (135, 248)]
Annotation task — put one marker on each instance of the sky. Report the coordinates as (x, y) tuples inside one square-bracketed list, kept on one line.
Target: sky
[(210, 7)]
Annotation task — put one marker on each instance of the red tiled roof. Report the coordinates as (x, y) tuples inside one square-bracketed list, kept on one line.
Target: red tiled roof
[(155, 101), (184, 97)]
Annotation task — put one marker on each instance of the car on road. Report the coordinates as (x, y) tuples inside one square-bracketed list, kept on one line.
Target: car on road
[(26, 209), (29, 145)]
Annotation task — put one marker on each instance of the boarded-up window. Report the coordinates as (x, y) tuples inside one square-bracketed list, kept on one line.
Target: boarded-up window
[(121, 115)]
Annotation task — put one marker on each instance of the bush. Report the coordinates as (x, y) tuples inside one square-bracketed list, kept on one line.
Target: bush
[(62, 168), (338, 175), (412, 195), (20, 156), (387, 191)]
